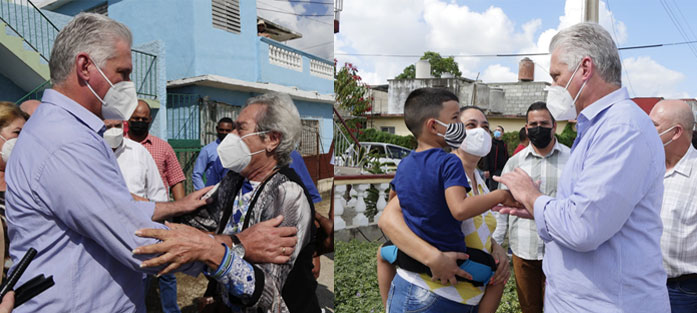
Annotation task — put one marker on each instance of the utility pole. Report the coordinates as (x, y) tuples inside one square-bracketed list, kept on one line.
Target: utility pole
[(590, 11)]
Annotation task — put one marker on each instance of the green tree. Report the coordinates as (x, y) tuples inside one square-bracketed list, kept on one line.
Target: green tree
[(439, 65), (352, 94)]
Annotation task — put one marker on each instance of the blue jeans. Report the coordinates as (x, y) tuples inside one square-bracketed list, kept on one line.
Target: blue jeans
[(406, 297), (683, 296), (168, 292)]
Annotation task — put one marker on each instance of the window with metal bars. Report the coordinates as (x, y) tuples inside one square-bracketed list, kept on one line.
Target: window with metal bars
[(309, 140), (226, 15)]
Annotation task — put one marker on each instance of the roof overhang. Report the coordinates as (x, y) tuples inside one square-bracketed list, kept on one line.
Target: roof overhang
[(221, 82), (278, 32), (53, 4)]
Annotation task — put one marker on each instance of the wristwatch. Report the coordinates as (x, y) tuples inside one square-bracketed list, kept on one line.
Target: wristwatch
[(237, 247)]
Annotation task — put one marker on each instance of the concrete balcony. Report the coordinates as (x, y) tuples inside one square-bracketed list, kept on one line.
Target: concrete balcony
[(281, 64)]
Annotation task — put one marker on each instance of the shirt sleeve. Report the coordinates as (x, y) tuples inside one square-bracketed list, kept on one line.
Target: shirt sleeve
[(174, 171), (502, 219), (610, 184), (84, 188), (270, 278), (298, 165), (154, 185), (199, 169), (453, 173)]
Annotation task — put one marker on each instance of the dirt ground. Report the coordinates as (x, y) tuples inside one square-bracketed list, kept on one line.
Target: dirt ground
[(189, 288)]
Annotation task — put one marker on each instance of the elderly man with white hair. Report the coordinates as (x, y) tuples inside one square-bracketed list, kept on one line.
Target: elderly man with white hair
[(602, 231), (66, 196), (266, 132), (674, 122)]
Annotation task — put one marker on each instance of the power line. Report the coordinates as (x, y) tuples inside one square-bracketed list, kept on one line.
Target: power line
[(306, 1), (511, 54), (612, 20), (317, 45), (296, 14)]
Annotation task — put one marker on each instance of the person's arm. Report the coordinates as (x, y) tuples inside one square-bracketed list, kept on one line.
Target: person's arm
[(502, 219), (298, 165), (178, 191), (81, 185), (269, 278), (613, 180), (165, 210), (443, 265), (199, 169), (463, 207)]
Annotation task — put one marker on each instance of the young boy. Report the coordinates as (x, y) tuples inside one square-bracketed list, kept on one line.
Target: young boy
[(432, 190)]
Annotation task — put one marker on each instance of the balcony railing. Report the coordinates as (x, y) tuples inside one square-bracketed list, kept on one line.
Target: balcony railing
[(285, 58), (321, 69)]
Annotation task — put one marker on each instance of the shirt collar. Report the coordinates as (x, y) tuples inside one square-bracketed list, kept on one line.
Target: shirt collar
[(684, 166), (591, 111), (86, 117), (529, 150)]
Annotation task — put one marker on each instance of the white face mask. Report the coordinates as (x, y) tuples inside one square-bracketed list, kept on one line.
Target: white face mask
[(234, 153), (7, 148), (559, 100), (120, 100), (113, 137), (659, 135), (477, 142)]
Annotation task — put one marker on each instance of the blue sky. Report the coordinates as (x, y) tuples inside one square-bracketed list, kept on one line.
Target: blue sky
[(483, 27)]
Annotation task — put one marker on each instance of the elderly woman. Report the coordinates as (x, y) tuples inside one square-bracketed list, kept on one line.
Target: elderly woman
[(258, 150), (12, 120)]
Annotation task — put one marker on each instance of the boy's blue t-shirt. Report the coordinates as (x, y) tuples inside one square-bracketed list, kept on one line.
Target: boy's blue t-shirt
[(420, 184)]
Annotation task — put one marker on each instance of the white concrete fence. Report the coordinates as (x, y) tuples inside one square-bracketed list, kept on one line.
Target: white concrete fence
[(351, 213)]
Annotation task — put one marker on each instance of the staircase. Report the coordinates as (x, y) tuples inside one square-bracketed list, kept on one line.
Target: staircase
[(26, 40), (346, 146), (26, 37)]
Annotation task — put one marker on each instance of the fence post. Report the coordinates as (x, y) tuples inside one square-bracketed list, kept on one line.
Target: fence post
[(360, 219), (339, 202)]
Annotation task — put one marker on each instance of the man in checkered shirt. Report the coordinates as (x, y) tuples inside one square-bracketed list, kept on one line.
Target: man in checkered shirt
[(543, 159), (674, 122)]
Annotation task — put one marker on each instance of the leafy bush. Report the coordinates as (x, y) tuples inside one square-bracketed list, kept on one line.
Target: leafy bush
[(567, 136), (511, 139), (374, 135), (356, 282), (355, 276)]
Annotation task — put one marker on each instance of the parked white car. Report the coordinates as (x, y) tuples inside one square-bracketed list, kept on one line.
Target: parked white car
[(388, 154)]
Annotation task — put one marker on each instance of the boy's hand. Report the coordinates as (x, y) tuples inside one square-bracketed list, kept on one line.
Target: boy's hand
[(444, 267), (509, 201)]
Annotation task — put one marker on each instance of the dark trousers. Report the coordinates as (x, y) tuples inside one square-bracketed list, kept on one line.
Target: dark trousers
[(530, 284), (683, 295)]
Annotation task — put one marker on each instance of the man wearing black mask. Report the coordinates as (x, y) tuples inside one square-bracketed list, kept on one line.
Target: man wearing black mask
[(543, 159), (209, 157)]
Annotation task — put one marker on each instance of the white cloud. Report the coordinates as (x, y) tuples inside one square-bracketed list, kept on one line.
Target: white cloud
[(499, 74), (651, 79)]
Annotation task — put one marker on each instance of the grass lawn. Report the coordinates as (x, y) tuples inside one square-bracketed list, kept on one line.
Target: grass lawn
[(356, 284)]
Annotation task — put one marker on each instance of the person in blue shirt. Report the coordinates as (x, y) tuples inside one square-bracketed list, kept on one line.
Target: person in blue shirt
[(209, 157), (431, 186)]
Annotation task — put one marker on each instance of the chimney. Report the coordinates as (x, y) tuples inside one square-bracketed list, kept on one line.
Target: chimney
[(526, 70), (423, 69)]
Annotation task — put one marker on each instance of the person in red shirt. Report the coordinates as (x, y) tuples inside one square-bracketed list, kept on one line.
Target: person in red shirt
[(163, 154), (524, 141)]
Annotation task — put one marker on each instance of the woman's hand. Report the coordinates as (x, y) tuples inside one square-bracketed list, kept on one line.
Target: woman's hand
[(503, 269), (8, 302), (444, 267), (180, 244)]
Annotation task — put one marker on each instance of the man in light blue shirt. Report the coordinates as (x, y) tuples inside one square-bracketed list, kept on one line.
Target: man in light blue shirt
[(208, 158), (602, 231), (66, 196)]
